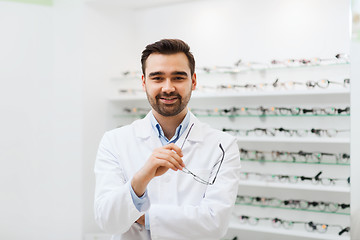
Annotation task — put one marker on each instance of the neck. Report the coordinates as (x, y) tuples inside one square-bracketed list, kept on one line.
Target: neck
[(169, 124)]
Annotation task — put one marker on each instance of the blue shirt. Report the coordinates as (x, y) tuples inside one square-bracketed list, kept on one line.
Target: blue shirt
[(143, 202)]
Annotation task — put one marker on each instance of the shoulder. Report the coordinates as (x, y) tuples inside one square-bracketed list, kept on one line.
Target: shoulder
[(218, 134), (210, 134), (124, 132)]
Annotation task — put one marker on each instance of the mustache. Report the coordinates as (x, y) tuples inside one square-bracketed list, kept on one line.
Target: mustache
[(165, 95)]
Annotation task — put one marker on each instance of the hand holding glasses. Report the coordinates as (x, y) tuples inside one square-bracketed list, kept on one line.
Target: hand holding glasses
[(215, 168)]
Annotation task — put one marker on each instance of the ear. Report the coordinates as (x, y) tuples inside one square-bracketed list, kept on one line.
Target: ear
[(143, 82), (193, 83)]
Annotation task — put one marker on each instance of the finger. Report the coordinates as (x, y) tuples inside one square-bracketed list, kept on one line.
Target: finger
[(168, 160), (177, 149), (174, 164), (166, 164), (175, 156)]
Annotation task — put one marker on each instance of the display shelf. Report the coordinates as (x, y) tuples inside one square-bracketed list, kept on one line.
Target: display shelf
[(128, 97), (231, 94), (293, 209), (214, 71), (268, 93), (294, 162), (260, 67), (126, 115), (137, 116), (269, 115), (297, 186), (221, 91), (288, 232), (295, 140)]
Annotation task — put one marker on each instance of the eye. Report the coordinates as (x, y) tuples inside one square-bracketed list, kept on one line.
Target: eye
[(179, 78), (156, 78)]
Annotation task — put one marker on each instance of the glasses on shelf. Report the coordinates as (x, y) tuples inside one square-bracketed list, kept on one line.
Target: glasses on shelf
[(270, 111), (324, 83), (292, 178), (214, 170), (286, 132), (326, 111), (338, 58), (277, 85), (136, 110), (291, 203), (327, 132), (310, 226), (300, 156), (130, 91), (242, 65), (286, 85)]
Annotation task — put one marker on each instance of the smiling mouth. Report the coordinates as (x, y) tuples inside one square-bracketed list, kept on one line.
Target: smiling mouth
[(168, 100)]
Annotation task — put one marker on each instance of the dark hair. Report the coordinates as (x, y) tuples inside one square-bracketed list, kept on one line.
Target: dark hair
[(168, 46)]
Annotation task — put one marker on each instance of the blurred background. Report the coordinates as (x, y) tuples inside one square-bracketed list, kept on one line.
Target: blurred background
[(60, 61)]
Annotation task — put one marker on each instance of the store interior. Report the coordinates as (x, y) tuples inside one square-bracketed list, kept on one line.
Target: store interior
[(279, 75)]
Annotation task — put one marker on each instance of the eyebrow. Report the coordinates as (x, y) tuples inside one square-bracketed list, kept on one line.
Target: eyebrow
[(173, 73), (156, 73), (179, 73)]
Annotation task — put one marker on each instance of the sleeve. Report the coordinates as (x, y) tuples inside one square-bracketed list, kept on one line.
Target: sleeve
[(209, 219), (141, 203), (115, 211)]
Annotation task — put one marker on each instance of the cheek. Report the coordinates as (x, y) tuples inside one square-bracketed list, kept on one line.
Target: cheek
[(150, 90)]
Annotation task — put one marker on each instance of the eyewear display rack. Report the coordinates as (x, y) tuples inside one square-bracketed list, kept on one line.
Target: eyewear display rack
[(294, 184)]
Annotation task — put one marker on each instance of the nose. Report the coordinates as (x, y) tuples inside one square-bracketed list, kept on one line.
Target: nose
[(168, 86)]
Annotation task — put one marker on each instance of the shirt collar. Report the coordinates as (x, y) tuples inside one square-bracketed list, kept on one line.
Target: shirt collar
[(178, 132)]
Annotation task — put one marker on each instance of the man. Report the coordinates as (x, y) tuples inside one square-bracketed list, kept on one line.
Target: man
[(167, 176)]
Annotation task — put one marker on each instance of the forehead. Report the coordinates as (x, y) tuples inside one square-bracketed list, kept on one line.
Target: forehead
[(167, 63)]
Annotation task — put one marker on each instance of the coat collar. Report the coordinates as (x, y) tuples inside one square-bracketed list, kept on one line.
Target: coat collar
[(144, 130)]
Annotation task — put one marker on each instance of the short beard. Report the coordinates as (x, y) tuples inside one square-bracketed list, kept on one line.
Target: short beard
[(162, 108)]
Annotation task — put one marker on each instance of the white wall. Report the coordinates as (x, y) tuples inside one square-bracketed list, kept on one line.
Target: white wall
[(40, 141), (224, 31), (108, 50)]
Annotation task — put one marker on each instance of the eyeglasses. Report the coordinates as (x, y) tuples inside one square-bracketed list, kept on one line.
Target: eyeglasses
[(300, 156), (215, 168), (326, 111), (130, 91), (270, 111), (291, 203), (291, 178), (324, 83), (338, 58), (288, 224), (242, 65), (136, 110), (286, 132), (286, 85), (276, 85)]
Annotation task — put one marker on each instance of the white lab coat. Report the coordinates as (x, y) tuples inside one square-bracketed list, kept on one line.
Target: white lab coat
[(181, 208)]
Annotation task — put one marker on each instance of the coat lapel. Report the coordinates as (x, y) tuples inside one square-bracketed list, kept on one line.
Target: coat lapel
[(146, 133)]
